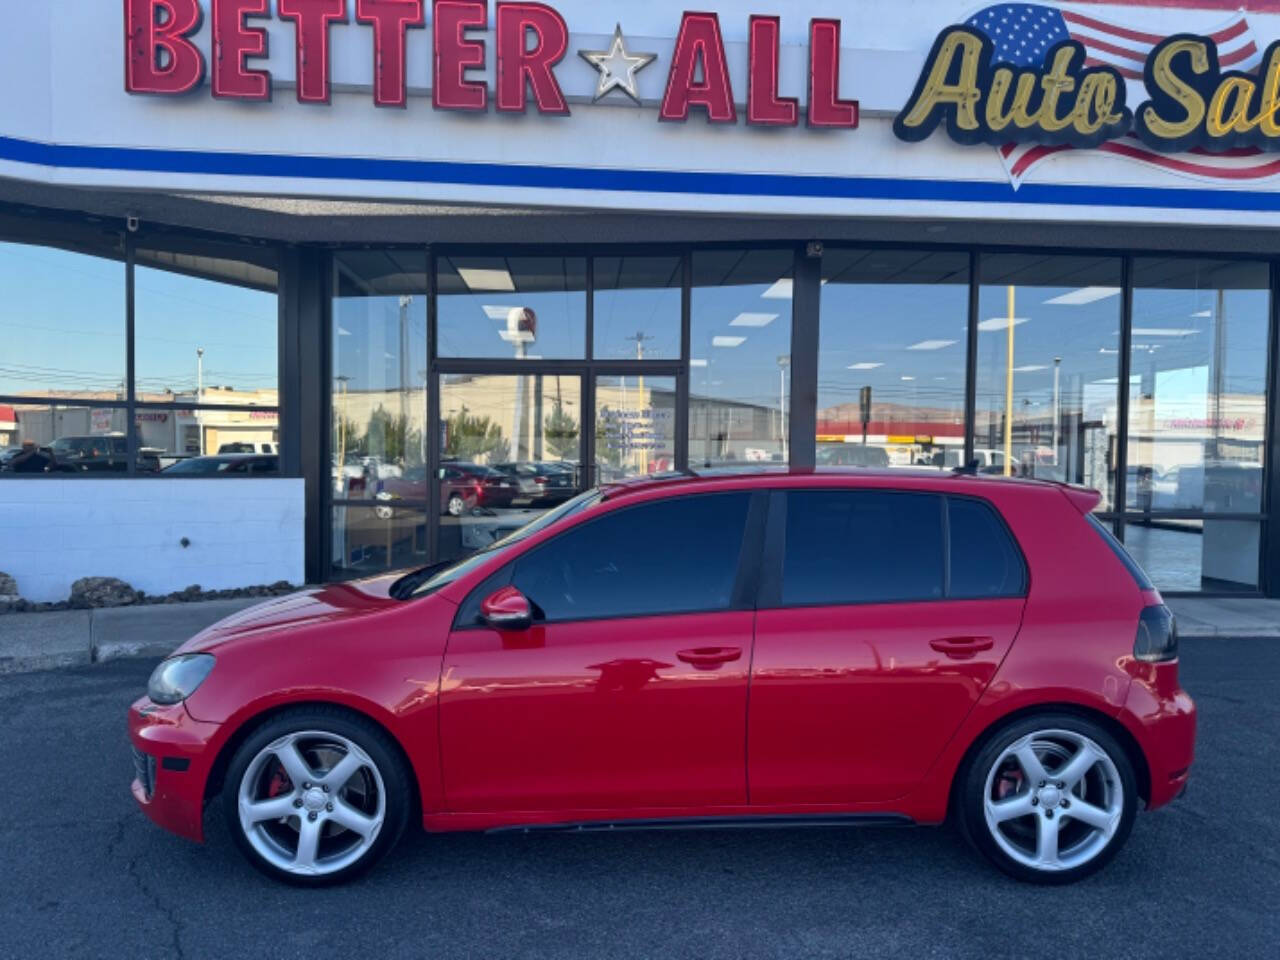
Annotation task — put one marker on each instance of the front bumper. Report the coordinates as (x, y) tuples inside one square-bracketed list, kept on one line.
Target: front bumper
[(173, 755), (1162, 717)]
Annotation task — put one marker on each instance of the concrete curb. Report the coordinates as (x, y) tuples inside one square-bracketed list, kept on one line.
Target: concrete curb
[(68, 638)]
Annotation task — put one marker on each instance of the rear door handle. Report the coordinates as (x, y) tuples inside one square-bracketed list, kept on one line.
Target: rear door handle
[(962, 648), (708, 658)]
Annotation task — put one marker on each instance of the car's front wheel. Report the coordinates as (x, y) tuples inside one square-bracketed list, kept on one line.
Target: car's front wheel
[(1048, 799), (316, 796), (456, 505)]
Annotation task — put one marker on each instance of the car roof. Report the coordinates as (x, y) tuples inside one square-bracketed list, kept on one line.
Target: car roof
[(766, 477)]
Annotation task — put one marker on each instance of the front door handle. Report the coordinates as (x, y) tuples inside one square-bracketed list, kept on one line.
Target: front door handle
[(708, 658), (962, 648)]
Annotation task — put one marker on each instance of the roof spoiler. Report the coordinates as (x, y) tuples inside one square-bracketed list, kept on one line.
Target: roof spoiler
[(1083, 498)]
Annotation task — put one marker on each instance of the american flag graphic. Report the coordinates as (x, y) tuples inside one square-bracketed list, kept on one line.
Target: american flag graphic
[(1023, 34)]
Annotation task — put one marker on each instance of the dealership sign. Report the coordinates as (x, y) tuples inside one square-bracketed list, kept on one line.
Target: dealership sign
[(530, 42)]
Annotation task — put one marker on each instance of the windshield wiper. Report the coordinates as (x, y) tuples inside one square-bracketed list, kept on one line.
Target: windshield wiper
[(403, 588)]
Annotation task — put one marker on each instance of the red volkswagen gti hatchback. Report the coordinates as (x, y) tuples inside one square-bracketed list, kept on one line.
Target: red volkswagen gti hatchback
[(810, 648)]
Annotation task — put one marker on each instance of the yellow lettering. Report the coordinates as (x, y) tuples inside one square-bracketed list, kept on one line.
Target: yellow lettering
[(1268, 123), (1237, 92), (1185, 95), (1055, 83), (1095, 104), (997, 117), (1023, 119), (936, 92)]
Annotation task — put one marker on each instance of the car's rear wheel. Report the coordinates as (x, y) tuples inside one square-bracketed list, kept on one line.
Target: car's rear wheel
[(316, 796), (456, 505), (1048, 799)]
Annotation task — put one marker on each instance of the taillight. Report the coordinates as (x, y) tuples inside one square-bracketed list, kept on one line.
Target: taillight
[(539, 479), (1157, 638)]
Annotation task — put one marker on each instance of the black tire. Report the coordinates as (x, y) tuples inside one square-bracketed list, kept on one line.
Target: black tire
[(365, 734), (972, 783)]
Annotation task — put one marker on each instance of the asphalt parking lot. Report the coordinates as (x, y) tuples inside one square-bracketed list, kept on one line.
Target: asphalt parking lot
[(85, 875)]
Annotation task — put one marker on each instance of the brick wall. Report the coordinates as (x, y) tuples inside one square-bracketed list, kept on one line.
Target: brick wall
[(242, 531)]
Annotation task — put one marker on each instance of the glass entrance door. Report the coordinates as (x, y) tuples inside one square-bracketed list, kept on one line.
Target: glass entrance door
[(510, 448)]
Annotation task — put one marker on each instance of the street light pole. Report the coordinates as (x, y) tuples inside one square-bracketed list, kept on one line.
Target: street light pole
[(1057, 408), (784, 361), (199, 397)]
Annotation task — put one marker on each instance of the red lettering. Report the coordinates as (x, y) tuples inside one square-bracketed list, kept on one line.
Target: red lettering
[(390, 20), (825, 107), (455, 55), (764, 106), (699, 43), (311, 24), (518, 64), (233, 43), (146, 38)]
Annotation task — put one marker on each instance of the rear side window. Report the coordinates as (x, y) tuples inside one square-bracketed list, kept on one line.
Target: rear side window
[(862, 546), (670, 556), (984, 560), (1139, 575)]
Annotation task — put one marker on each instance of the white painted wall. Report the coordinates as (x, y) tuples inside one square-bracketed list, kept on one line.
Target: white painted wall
[(243, 532)]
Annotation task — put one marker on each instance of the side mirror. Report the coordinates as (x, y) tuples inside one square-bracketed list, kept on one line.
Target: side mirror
[(507, 609)]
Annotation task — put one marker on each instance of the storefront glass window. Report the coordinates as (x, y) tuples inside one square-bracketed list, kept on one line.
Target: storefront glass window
[(1048, 367), (378, 439), (369, 540), (512, 307), (740, 366), (635, 426), (62, 321), (891, 361), (637, 307), (43, 438), (511, 447), (1186, 555), (1197, 406), (206, 330)]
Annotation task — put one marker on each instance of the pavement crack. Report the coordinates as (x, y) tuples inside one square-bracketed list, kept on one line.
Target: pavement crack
[(133, 870)]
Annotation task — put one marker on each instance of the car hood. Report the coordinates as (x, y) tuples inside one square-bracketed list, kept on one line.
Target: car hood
[(328, 604)]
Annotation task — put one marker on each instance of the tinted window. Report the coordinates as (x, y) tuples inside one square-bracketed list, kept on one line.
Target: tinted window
[(672, 556), (863, 546), (984, 560)]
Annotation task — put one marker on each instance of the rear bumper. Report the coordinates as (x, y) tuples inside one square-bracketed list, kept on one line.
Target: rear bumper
[(173, 755), (1162, 717)]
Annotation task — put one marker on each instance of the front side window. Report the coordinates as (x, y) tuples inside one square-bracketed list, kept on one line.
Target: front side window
[(862, 546), (672, 556)]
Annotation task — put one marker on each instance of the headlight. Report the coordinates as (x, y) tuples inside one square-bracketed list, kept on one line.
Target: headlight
[(178, 677)]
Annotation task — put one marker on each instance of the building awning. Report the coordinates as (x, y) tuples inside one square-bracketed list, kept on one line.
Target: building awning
[(7, 417)]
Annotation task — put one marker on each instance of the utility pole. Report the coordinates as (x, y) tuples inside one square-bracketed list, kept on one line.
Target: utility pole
[(199, 397), (1008, 391), (1057, 408)]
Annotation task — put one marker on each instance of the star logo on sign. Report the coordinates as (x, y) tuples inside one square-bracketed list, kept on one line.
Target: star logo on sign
[(617, 67)]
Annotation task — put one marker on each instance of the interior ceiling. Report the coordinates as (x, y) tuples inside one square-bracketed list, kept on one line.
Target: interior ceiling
[(342, 222)]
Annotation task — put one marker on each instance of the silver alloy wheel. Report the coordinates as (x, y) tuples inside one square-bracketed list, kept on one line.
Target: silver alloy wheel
[(456, 506), (312, 803), (1053, 800)]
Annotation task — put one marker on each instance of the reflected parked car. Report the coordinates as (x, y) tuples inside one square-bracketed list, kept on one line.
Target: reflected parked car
[(103, 453), (851, 455), (457, 491), (640, 654), (490, 487), (541, 482), (224, 464)]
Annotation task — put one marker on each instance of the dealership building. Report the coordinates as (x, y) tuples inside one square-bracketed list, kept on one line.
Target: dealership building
[(316, 289)]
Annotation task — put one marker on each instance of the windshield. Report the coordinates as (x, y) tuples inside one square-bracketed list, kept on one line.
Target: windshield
[(451, 573)]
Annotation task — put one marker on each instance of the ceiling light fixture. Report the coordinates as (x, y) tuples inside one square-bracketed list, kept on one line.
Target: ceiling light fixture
[(728, 341), (1084, 295), (999, 323), (497, 313), (1163, 331), (753, 319), (864, 366), (478, 279), (931, 344)]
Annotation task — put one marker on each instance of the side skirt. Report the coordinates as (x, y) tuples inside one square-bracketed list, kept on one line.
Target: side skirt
[(763, 822)]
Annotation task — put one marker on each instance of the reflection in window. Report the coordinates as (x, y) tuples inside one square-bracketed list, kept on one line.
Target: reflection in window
[(372, 540), (740, 367), (511, 448), (54, 439), (378, 436), (1196, 555), (891, 363), (1197, 393), (62, 321), (1047, 368), (637, 307), (512, 307), (635, 426), (206, 330)]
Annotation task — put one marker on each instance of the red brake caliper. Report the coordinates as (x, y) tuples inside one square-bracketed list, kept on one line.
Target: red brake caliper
[(280, 783)]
